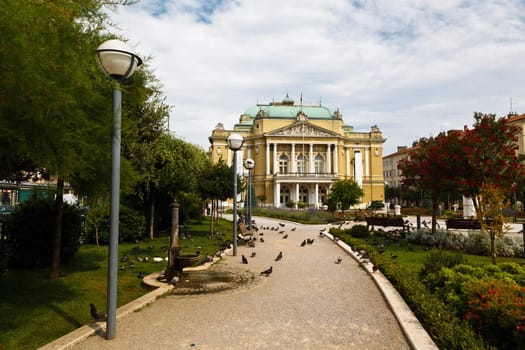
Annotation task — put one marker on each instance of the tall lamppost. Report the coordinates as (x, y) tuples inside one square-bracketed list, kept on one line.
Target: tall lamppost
[(235, 142), (249, 164), (119, 63)]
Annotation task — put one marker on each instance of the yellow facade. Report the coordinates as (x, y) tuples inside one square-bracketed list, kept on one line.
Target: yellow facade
[(300, 150)]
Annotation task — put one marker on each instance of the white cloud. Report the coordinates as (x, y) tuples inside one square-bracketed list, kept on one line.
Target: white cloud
[(413, 68)]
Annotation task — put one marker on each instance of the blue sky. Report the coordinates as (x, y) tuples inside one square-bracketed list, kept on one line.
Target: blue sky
[(414, 68)]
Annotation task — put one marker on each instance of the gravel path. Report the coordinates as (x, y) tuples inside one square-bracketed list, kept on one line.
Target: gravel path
[(308, 302)]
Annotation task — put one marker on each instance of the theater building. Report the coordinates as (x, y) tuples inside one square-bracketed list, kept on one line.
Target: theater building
[(300, 150)]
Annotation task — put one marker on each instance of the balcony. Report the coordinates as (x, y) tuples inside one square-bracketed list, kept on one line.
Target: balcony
[(305, 177)]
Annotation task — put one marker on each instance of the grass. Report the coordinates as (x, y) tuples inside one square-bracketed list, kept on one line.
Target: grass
[(413, 258), (35, 310)]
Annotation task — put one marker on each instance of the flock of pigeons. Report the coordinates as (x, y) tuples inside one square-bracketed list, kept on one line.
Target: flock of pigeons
[(282, 230)]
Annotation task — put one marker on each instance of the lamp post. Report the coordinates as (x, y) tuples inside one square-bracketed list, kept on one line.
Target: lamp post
[(249, 164), (118, 63), (235, 142)]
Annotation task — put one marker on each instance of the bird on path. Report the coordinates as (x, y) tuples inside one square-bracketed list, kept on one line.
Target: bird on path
[(303, 243), (244, 260), (279, 256), (267, 272), (339, 260), (374, 268), (310, 241), (281, 224), (97, 315), (285, 236), (261, 239), (293, 229), (253, 255), (281, 232)]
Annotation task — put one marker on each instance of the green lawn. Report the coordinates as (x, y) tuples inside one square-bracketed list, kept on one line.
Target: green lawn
[(35, 310)]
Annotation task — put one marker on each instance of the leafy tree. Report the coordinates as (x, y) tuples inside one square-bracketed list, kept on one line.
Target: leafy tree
[(344, 192), (433, 167), (216, 184), (489, 157)]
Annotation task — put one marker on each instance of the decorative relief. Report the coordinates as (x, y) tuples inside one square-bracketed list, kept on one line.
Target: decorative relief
[(301, 117), (302, 130)]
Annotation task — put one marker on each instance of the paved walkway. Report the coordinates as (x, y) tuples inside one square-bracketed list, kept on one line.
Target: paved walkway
[(308, 302)]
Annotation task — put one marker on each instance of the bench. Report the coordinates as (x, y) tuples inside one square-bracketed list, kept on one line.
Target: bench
[(393, 221), (463, 224), (244, 235), (519, 217)]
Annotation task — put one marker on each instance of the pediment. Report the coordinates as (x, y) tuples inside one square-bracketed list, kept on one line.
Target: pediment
[(302, 129)]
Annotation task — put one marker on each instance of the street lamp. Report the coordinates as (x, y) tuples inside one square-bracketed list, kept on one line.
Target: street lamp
[(235, 142), (119, 63), (249, 164)]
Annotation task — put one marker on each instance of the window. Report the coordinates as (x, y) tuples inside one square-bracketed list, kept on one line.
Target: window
[(285, 195), (283, 164), (319, 164), (301, 164)]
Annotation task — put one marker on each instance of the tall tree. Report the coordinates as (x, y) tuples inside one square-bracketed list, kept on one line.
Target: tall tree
[(54, 100), (344, 194), (433, 166)]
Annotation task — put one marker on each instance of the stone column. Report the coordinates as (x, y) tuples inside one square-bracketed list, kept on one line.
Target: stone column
[(276, 195), (296, 193), (336, 159), (347, 161), (328, 158), (311, 155), (293, 161), (267, 159), (316, 196), (275, 162)]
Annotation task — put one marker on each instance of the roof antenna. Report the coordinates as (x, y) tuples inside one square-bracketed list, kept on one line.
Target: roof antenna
[(320, 102), (511, 112)]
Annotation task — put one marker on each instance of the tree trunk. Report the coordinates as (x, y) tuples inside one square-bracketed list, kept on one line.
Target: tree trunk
[(493, 248), (54, 270), (151, 215), (435, 201)]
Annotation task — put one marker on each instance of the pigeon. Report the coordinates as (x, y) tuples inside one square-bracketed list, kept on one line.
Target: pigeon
[(310, 241), (244, 260), (97, 315), (267, 272), (293, 229), (253, 255), (374, 268), (303, 243), (124, 258), (261, 239), (339, 260), (175, 280), (279, 256), (281, 224), (393, 256), (285, 236)]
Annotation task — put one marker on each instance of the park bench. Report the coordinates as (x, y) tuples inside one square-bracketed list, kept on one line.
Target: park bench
[(519, 217), (244, 235), (463, 224), (391, 221)]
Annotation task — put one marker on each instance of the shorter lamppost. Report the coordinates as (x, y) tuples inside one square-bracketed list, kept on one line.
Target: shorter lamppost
[(235, 142), (119, 63), (249, 164)]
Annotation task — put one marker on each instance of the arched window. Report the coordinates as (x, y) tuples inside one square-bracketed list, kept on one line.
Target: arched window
[(319, 164), (283, 164), (285, 195), (301, 164), (303, 194)]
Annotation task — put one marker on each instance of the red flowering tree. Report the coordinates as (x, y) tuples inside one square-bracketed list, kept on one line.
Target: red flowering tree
[(489, 152), (433, 166)]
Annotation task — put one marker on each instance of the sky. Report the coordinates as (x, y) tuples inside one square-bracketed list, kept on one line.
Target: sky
[(413, 68)]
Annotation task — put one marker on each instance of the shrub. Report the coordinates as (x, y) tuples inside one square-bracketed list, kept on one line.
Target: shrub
[(132, 225), (438, 259), (496, 310), (359, 231), (30, 228), (438, 318)]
